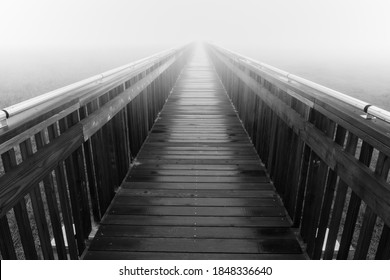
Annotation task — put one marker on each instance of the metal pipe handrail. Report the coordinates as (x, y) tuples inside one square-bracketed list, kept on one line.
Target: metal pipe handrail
[(366, 107), (69, 90)]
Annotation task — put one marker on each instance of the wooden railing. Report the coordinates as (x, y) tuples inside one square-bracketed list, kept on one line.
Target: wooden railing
[(64, 154), (329, 164)]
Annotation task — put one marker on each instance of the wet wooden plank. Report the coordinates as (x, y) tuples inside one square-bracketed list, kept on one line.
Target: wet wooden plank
[(199, 167), (197, 189), (198, 193), (224, 173), (200, 232), (118, 255), (200, 179), (196, 220), (214, 211), (196, 245), (199, 186), (175, 201)]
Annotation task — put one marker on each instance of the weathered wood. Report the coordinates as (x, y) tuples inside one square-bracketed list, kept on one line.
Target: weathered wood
[(90, 165), (67, 164), (118, 255), (51, 199), (355, 174), (371, 131), (20, 210), (370, 218), (75, 185), (278, 246), (196, 180), (6, 243), (98, 118), (383, 252), (260, 211), (353, 208), (339, 201), (59, 172), (18, 181), (18, 131), (38, 207), (328, 199), (10, 140)]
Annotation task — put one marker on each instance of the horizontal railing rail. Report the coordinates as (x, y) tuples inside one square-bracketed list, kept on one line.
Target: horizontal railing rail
[(365, 107), (329, 165), (78, 89), (64, 154)]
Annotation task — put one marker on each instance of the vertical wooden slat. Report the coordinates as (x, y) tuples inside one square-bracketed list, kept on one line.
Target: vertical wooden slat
[(303, 170), (90, 165), (6, 243), (338, 207), (21, 214), (64, 200), (51, 199), (100, 165), (38, 208), (353, 208), (315, 187), (75, 189), (328, 199), (108, 135), (370, 217), (293, 174), (383, 252)]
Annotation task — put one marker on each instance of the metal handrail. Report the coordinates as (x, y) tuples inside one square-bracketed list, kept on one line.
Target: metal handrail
[(371, 110), (72, 89)]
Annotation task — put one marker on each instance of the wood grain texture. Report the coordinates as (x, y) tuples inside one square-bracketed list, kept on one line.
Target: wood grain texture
[(18, 181), (197, 189)]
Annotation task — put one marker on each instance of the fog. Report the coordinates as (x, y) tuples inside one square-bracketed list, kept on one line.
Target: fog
[(343, 44)]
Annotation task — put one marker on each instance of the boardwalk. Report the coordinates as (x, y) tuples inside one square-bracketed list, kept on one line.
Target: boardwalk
[(198, 189)]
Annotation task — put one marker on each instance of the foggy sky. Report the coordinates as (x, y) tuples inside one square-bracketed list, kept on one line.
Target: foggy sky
[(360, 27)]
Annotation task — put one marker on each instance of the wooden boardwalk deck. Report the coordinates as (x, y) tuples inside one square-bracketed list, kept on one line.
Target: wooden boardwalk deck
[(198, 189)]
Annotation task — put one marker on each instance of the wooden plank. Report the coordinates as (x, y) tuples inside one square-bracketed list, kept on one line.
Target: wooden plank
[(169, 201), (90, 166), (215, 211), (370, 131), (197, 193), (64, 199), (118, 255), (6, 243), (198, 221), (318, 187), (38, 207), (196, 245), (339, 201), (20, 210), (14, 137), (328, 199), (224, 173), (355, 174), (197, 178), (199, 167), (54, 212), (198, 232), (18, 181), (383, 252), (199, 186), (99, 118), (370, 218), (353, 208), (200, 179), (16, 131)]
